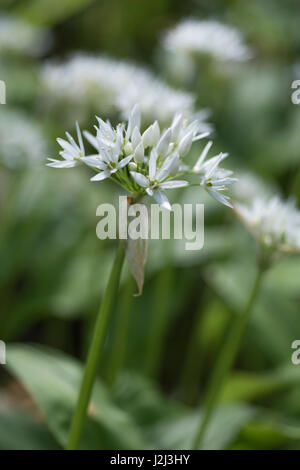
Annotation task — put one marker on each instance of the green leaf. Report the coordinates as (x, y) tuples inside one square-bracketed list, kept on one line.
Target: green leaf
[(53, 380), (246, 386), (50, 12), (271, 434), (19, 432), (169, 424), (273, 323), (142, 399), (178, 431)]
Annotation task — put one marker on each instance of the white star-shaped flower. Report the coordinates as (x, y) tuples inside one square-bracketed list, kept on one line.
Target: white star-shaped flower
[(71, 153), (155, 182), (214, 179)]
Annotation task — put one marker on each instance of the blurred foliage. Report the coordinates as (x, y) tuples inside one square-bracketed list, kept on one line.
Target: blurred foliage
[(53, 268)]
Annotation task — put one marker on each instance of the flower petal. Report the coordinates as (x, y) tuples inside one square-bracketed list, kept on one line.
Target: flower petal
[(79, 136), (219, 197), (61, 163), (101, 176), (152, 164), (95, 162), (125, 161), (140, 179), (173, 184), (202, 157), (91, 139), (73, 152), (201, 136), (162, 199), (224, 181), (167, 167)]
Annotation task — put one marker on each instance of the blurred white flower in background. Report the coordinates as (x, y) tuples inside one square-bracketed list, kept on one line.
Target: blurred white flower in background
[(113, 86), (249, 186), (194, 37), (273, 222), (21, 37), (22, 139)]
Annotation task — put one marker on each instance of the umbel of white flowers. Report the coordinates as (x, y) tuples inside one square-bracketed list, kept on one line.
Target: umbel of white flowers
[(274, 223), (18, 36), (147, 163), (22, 139), (83, 80), (209, 37)]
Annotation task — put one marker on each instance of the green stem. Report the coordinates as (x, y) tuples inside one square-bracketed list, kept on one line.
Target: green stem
[(95, 349), (224, 363)]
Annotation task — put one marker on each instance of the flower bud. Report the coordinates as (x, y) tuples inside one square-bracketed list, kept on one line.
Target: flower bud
[(133, 121), (128, 149), (163, 143), (176, 126), (185, 144), (174, 168), (136, 137), (151, 135), (132, 166), (139, 153)]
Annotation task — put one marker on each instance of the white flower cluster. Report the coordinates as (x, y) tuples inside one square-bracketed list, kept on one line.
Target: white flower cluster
[(148, 162), (214, 179), (22, 140), (19, 36), (273, 222), (194, 37), (115, 86), (249, 186)]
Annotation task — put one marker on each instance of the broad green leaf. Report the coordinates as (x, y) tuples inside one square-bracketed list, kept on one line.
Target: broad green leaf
[(179, 430), (143, 400), (53, 380), (271, 433), (19, 432), (169, 424), (247, 386), (273, 324)]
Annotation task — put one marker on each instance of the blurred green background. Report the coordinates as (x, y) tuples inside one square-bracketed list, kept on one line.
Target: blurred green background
[(161, 346)]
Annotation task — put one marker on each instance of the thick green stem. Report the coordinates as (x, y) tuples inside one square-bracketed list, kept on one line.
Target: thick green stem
[(94, 351), (224, 364)]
